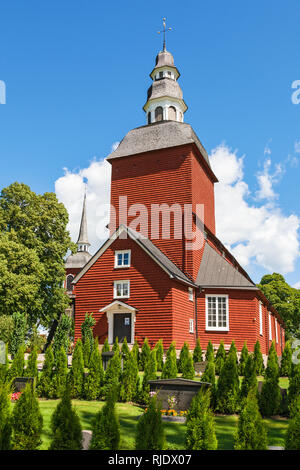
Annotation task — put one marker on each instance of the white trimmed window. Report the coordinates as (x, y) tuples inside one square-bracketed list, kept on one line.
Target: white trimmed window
[(122, 259), (260, 319), (121, 289), (270, 327), (191, 330), (217, 312), (191, 294), (276, 331)]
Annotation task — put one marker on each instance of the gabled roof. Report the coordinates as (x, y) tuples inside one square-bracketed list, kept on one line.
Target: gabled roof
[(155, 253), (215, 271), (119, 303)]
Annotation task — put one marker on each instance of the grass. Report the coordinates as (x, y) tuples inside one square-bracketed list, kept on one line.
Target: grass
[(128, 416)]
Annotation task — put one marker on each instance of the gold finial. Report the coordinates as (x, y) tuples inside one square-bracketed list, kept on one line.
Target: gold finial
[(165, 30)]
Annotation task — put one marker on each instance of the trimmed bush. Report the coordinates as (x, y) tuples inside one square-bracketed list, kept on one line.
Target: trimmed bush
[(86, 352), (159, 348), (44, 383), (209, 355), (17, 366), (210, 377), (61, 337), (243, 359), (18, 335), (125, 349), (150, 432), (5, 418), (270, 397), (200, 425), (59, 376), (183, 357), (251, 433), (258, 359), (188, 371), (170, 366), (145, 354), (130, 378), (27, 421), (112, 376), (116, 346), (87, 328), (228, 386), (66, 432), (106, 346), (292, 438), (220, 358), (294, 389), (76, 375), (197, 354), (249, 380), (149, 374), (233, 351), (106, 427), (31, 369), (136, 351), (94, 380), (286, 361)]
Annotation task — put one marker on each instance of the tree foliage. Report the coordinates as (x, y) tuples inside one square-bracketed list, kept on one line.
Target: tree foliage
[(106, 427), (5, 418), (150, 432), (44, 383), (159, 348), (220, 357), (286, 360), (258, 359), (228, 386), (200, 429), (209, 355), (270, 397), (243, 359), (170, 366), (197, 354), (94, 380), (76, 375), (6, 328)]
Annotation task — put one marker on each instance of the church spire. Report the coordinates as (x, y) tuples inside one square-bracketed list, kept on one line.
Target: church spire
[(83, 241)]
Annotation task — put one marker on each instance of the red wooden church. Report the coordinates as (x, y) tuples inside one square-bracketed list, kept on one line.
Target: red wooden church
[(148, 279)]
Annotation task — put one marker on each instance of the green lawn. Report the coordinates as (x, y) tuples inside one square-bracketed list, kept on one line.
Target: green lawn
[(128, 415)]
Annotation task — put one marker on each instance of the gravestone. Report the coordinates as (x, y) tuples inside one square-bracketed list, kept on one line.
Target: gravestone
[(2, 353), (86, 439), (20, 383), (183, 390), (106, 356), (200, 367)]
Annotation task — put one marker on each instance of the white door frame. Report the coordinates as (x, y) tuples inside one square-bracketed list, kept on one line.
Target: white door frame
[(119, 307)]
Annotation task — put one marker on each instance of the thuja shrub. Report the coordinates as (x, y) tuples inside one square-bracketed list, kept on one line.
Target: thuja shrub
[(106, 346), (149, 374), (112, 375), (59, 376), (150, 432), (197, 354), (94, 380), (76, 375), (136, 351), (292, 437), (209, 355), (17, 339), (106, 427), (44, 383), (159, 348), (5, 418), (233, 351), (243, 359), (27, 421), (250, 379), (61, 337), (286, 360), (258, 359), (220, 358), (125, 349), (270, 397), (87, 328), (17, 366), (210, 377), (31, 369), (183, 356), (170, 366), (188, 371), (145, 354), (86, 351), (200, 426), (294, 389), (130, 378), (116, 346), (66, 432), (228, 386), (251, 433)]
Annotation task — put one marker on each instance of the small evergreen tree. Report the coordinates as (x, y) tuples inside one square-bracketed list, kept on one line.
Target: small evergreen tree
[(105, 347), (159, 348), (200, 427), (59, 376), (258, 359), (220, 358), (66, 433), (27, 421), (243, 359), (251, 433), (87, 329), (17, 339), (5, 418), (249, 380), (130, 378), (188, 371), (94, 380), (149, 374), (44, 384), (292, 438), (106, 427), (17, 366), (209, 356), (233, 351), (136, 351), (61, 337), (125, 349), (76, 375), (31, 369), (86, 351), (228, 386), (150, 432), (294, 389), (112, 376), (209, 377), (183, 357), (116, 347), (145, 354), (270, 397), (170, 366), (286, 360), (197, 354)]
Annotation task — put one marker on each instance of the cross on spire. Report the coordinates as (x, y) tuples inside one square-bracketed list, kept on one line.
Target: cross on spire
[(165, 30)]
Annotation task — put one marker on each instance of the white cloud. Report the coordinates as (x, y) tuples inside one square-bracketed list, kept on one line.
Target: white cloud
[(255, 233), (297, 285)]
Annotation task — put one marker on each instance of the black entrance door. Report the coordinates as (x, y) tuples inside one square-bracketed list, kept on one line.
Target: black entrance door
[(122, 326)]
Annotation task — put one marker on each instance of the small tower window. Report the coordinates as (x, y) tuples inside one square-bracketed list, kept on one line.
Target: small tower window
[(69, 284), (158, 114), (149, 118), (161, 74), (172, 113)]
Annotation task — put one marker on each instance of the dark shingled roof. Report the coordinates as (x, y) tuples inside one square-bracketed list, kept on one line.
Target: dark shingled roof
[(215, 271), (156, 136)]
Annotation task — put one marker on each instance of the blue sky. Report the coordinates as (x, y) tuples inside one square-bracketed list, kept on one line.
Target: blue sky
[(77, 73)]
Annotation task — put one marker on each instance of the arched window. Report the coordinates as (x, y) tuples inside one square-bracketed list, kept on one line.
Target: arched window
[(158, 114), (149, 118), (172, 113), (70, 278)]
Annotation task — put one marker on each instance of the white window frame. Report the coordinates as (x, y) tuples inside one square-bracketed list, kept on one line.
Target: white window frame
[(217, 328), (276, 331), (191, 325), (191, 294), (270, 327), (122, 281), (260, 319), (122, 252)]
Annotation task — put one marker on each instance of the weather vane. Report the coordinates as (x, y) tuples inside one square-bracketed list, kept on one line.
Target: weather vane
[(165, 30)]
